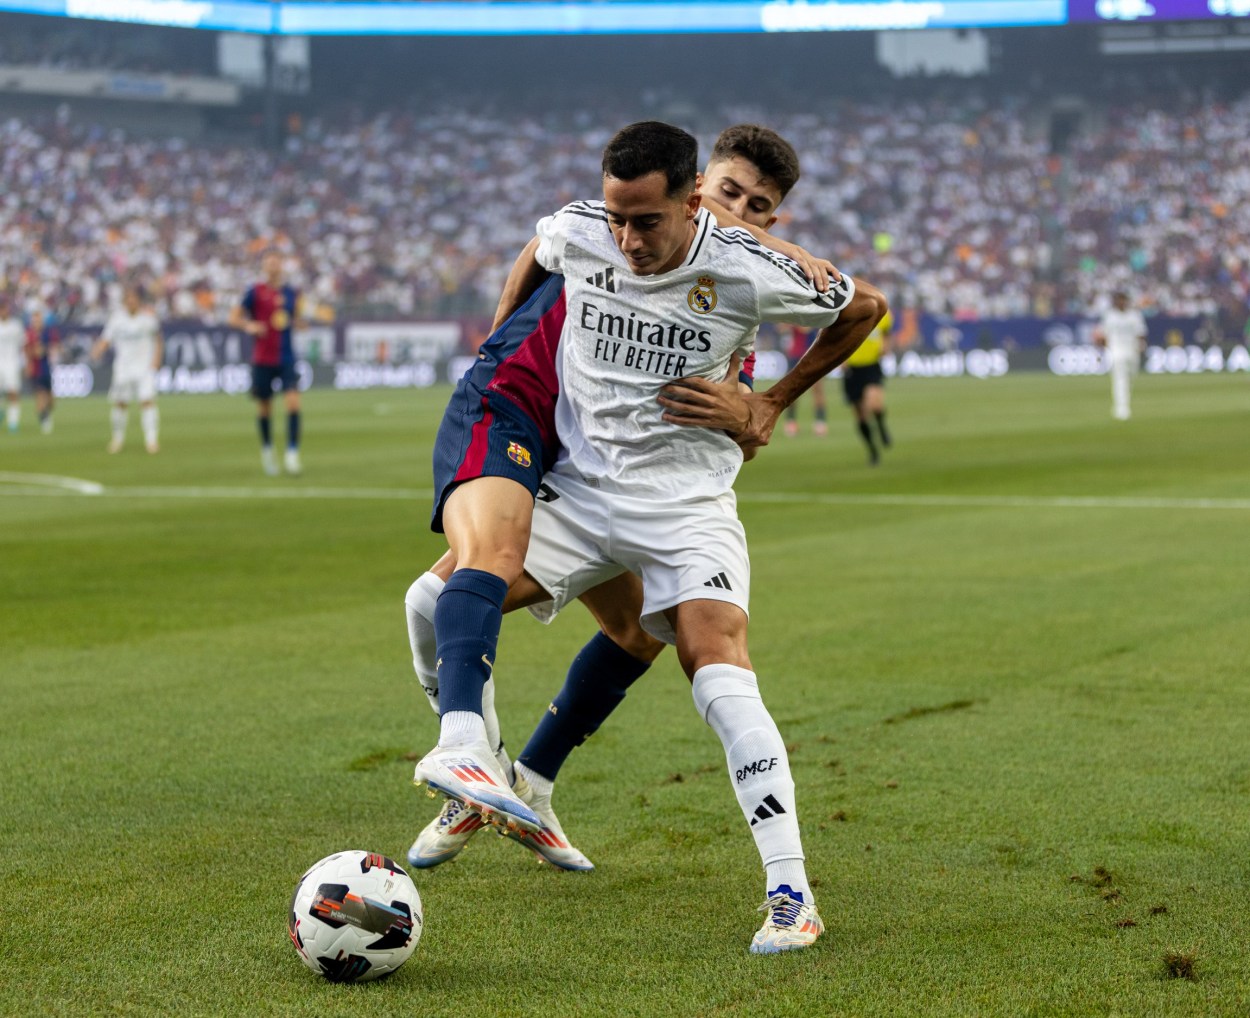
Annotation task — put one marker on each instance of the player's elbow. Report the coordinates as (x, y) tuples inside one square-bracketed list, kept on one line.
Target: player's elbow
[(868, 304)]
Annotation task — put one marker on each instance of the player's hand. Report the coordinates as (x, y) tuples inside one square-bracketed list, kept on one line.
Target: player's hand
[(764, 417), (701, 403), (819, 270)]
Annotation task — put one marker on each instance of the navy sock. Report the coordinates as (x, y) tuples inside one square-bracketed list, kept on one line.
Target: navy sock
[(866, 432), (467, 616), (595, 686), (292, 430), (265, 434)]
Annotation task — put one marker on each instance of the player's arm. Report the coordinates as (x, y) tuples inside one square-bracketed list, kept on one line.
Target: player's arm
[(101, 346), (241, 317), (525, 277), (158, 354), (819, 270), (833, 345), (749, 418)]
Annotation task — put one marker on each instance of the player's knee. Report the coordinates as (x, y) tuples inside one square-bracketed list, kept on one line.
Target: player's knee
[(508, 563), (716, 649), (632, 638)]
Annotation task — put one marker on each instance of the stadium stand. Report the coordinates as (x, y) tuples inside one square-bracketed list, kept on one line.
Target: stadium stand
[(958, 206)]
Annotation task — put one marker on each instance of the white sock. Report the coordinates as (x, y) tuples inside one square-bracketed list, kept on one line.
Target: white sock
[(13, 416), (419, 607), (729, 699), (542, 786), (119, 417), (461, 728), (493, 733), (150, 417)]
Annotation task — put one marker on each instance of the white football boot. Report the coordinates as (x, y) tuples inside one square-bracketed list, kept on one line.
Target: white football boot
[(268, 462), (445, 836), (471, 775), (549, 842), (291, 463), (790, 924)]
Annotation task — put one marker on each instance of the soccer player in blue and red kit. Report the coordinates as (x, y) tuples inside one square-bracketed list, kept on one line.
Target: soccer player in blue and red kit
[(269, 312), (40, 339)]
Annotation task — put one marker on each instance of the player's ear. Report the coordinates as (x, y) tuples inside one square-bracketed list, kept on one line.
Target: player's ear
[(693, 201), (769, 225)]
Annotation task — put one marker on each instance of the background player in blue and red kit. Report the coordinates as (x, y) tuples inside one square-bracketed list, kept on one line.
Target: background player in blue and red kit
[(40, 339), (795, 345), (269, 313)]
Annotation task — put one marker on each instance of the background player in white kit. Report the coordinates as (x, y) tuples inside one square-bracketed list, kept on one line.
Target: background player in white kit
[(633, 491), (134, 334), (1122, 332), (12, 342)]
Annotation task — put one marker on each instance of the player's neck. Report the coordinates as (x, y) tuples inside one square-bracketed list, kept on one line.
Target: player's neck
[(679, 256)]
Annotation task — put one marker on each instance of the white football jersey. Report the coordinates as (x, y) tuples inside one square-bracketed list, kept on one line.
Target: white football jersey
[(133, 338), (1124, 331), (625, 336), (12, 340)]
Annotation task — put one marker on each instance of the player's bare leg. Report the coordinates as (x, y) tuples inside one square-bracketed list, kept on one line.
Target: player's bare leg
[(118, 418), (149, 417), (820, 426), (874, 408), (712, 648)]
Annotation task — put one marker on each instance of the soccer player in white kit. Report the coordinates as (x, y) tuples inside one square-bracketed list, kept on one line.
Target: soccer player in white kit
[(630, 490), (12, 341), (134, 334), (1122, 332)]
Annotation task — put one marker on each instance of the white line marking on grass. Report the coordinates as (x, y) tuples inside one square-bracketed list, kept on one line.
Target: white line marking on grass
[(46, 484), (357, 494), (1002, 501)]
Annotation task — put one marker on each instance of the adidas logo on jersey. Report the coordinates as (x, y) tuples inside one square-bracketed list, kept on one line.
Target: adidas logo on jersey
[(766, 810), (605, 280), (719, 580)]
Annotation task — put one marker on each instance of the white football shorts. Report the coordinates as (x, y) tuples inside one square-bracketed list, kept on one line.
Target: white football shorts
[(10, 376), (133, 387), (684, 551)]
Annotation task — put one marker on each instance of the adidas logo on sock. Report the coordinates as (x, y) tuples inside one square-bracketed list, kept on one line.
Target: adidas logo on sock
[(719, 580), (766, 810)]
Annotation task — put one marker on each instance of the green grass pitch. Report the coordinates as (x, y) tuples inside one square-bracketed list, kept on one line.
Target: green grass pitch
[(1011, 665)]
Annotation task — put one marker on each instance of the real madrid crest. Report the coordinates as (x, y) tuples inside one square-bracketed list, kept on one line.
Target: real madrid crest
[(702, 296)]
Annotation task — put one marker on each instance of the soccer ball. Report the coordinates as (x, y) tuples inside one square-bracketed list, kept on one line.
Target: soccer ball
[(355, 916)]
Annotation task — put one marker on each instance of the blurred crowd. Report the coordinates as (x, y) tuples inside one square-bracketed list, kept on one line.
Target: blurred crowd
[(952, 206)]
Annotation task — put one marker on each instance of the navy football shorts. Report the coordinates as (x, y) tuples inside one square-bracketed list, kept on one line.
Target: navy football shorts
[(484, 434), (265, 375)]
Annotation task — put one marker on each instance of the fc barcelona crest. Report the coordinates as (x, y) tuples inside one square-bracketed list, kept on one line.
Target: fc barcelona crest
[(702, 296), (519, 454)]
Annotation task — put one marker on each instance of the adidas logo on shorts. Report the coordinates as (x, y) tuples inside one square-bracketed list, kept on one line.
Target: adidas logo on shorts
[(719, 580)]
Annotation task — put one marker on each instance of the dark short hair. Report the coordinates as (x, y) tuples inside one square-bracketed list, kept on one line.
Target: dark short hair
[(653, 147), (764, 148)]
